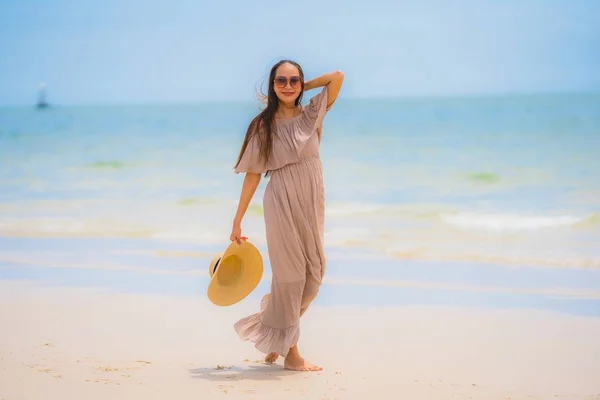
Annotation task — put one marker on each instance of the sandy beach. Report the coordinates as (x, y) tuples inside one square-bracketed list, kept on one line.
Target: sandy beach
[(83, 343)]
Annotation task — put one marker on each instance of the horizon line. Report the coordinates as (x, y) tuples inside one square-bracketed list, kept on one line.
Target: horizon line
[(406, 96)]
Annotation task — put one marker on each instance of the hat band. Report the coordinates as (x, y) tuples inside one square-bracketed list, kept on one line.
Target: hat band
[(216, 265)]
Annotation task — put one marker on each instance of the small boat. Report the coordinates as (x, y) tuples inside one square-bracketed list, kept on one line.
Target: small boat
[(42, 103)]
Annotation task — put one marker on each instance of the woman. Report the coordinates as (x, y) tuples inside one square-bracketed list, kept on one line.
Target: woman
[(283, 142)]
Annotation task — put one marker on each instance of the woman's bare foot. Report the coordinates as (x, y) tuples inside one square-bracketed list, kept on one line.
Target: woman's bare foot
[(271, 357), (294, 362)]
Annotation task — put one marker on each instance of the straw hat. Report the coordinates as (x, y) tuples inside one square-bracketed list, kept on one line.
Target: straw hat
[(234, 273)]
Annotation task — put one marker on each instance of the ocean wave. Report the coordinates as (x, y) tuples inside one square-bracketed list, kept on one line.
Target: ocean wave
[(451, 216), (190, 236), (411, 211), (50, 260), (555, 292), (514, 222), (415, 232), (533, 260), (70, 227)]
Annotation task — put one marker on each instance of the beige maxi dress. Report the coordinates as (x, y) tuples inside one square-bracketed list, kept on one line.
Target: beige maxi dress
[(294, 205)]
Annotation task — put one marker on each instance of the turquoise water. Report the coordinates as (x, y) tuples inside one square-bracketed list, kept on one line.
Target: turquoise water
[(506, 182), (143, 266)]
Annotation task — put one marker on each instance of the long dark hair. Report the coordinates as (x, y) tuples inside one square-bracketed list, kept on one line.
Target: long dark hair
[(262, 124)]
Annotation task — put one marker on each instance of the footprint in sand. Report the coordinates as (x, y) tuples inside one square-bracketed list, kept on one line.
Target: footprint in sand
[(45, 345), (49, 371), (108, 369), (105, 381), (122, 370), (40, 368)]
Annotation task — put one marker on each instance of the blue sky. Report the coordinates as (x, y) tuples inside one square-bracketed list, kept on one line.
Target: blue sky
[(157, 51)]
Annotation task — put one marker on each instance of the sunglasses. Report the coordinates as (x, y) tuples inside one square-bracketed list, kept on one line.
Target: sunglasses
[(282, 81)]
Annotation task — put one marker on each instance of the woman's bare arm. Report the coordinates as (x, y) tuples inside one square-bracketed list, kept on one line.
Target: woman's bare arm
[(249, 186), (333, 81)]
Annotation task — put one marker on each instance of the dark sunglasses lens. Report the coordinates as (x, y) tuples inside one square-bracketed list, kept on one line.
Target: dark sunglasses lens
[(280, 81), (295, 82)]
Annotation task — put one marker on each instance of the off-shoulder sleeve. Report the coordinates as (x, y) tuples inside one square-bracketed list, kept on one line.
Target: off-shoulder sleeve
[(315, 111), (290, 140), (251, 160)]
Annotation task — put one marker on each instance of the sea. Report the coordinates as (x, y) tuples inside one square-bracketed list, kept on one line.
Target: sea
[(470, 200)]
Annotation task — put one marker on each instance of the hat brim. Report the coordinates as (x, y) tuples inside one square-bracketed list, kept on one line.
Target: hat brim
[(244, 256)]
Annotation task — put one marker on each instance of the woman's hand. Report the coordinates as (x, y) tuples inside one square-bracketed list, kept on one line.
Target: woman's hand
[(236, 233)]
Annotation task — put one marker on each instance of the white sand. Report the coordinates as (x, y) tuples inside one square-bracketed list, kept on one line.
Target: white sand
[(63, 343)]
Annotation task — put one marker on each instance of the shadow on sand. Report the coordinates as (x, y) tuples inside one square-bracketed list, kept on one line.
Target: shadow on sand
[(260, 371)]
